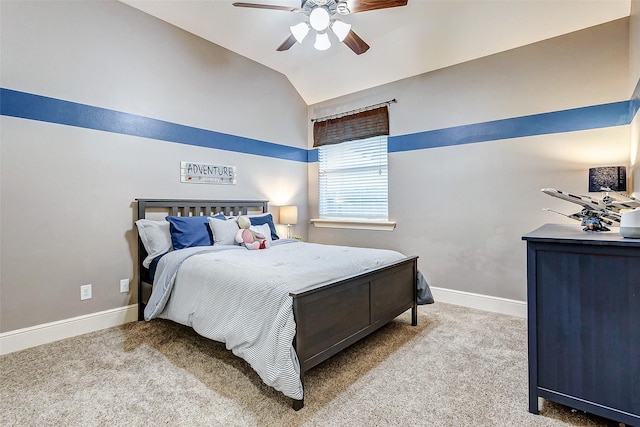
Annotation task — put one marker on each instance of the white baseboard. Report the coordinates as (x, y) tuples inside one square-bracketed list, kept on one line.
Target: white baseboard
[(33, 336), (480, 302)]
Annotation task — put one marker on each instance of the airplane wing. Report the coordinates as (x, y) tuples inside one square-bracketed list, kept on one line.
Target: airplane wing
[(618, 201), (616, 206), (621, 196), (585, 201), (578, 216), (612, 217)]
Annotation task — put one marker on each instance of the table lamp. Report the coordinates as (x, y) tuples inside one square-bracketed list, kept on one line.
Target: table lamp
[(289, 216)]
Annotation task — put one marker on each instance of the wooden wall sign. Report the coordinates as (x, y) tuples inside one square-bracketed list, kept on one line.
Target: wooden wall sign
[(206, 173)]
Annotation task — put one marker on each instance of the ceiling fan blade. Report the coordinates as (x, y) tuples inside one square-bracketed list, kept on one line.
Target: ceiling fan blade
[(268, 6), (290, 41), (356, 6), (355, 43)]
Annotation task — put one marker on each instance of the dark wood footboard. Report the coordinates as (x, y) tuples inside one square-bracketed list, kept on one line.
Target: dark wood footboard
[(333, 315)]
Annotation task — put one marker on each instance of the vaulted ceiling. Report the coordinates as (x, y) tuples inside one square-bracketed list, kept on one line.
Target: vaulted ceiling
[(422, 36)]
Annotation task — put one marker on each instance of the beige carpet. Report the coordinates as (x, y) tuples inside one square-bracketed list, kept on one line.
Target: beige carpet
[(458, 367)]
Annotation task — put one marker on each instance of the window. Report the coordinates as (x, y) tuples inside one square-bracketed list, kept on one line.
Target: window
[(353, 175), (353, 179)]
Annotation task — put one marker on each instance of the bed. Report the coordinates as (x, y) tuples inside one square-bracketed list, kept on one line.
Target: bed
[(316, 316)]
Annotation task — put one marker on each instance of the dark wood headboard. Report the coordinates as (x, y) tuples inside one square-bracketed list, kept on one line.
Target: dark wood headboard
[(159, 208), (184, 207)]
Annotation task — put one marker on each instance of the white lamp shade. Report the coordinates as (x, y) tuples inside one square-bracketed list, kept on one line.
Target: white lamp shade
[(300, 31), (322, 41), (319, 19), (288, 215), (340, 29)]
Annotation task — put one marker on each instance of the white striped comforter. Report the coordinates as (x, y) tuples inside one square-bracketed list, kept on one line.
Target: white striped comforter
[(241, 297)]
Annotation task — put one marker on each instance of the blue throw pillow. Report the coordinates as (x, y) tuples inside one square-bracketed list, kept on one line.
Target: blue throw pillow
[(265, 219), (188, 231)]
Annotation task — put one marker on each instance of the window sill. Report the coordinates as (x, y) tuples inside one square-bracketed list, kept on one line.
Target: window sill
[(357, 224)]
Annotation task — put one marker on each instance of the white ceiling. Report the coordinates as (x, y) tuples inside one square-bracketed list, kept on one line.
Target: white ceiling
[(405, 41)]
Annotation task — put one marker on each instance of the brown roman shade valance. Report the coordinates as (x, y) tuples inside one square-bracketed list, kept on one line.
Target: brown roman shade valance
[(360, 125)]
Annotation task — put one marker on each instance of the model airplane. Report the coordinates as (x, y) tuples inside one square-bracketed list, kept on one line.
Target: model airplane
[(596, 214)]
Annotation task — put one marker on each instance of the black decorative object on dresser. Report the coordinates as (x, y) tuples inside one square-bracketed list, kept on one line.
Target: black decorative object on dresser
[(583, 292)]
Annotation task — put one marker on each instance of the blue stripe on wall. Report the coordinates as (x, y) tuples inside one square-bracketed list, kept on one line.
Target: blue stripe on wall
[(35, 107), (598, 116), (312, 156)]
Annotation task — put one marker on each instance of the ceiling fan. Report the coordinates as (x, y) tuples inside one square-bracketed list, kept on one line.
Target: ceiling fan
[(321, 17)]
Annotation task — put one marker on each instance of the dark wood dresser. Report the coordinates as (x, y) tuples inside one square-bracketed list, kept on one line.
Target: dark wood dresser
[(583, 297)]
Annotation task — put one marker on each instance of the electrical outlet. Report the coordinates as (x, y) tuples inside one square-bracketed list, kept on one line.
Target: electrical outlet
[(124, 285), (85, 292)]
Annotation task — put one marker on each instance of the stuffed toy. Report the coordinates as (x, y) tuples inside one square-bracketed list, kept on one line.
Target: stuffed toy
[(250, 239)]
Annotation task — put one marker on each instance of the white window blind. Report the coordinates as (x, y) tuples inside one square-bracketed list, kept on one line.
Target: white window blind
[(353, 179)]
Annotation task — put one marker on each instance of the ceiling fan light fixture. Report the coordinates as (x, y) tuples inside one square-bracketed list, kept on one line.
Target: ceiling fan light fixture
[(319, 18), (342, 8), (318, 15), (300, 31), (340, 29), (322, 41)]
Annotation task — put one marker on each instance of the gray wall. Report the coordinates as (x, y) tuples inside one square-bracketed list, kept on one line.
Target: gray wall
[(68, 193), (464, 208)]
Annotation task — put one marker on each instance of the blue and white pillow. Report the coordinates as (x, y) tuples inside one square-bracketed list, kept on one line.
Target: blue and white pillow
[(265, 218), (188, 231)]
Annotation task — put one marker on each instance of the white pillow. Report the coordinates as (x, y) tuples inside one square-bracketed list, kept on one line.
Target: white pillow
[(223, 231), (156, 238), (262, 229)]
